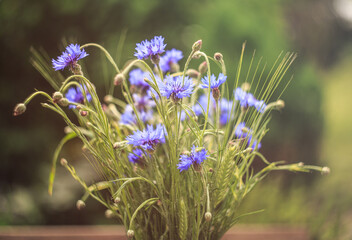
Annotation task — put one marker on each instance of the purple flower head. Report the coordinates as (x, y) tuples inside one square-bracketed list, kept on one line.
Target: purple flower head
[(148, 139), (246, 99), (239, 133), (171, 57), (137, 79), (69, 57), (75, 95), (173, 87), (142, 103), (214, 82), (260, 106), (251, 142), (137, 156), (129, 116), (147, 49), (197, 156)]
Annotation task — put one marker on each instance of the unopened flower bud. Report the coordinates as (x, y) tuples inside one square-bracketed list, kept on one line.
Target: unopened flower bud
[(196, 55), (174, 67), (159, 203), (218, 56), (119, 78), (130, 233), (57, 96), (216, 93), (280, 104), (119, 145), (197, 45), (80, 205), (155, 59), (207, 216), (63, 102), (19, 109), (108, 98), (211, 170), (83, 113), (325, 170), (192, 73), (246, 86), (109, 213), (117, 200), (300, 164), (63, 162), (203, 67)]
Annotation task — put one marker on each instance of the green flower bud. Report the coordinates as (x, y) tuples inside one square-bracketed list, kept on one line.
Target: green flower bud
[(192, 73), (80, 205), (130, 233), (207, 216), (325, 170), (203, 67), (57, 96), (218, 56), (19, 109), (109, 213), (63, 102), (197, 45), (63, 162), (119, 78)]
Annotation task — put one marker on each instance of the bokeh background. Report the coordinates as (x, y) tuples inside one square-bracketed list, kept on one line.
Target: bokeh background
[(315, 126)]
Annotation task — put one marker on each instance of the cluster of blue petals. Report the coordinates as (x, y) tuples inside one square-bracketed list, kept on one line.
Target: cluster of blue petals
[(251, 142), (129, 116), (171, 57), (75, 95), (147, 48), (148, 138), (200, 108), (175, 87), (69, 57), (136, 156), (195, 157), (248, 100), (214, 82), (137, 77)]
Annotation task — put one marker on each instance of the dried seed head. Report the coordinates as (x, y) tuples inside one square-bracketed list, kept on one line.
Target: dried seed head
[(80, 205), (203, 67), (19, 109), (130, 233), (63, 102), (197, 45), (119, 78), (207, 216), (192, 73), (109, 213), (57, 96), (218, 56), (63, 162), (325, 170)]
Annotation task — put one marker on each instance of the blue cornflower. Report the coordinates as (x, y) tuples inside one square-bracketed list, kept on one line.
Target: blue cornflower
[(151, 48), (137, 157), (246, 99), (69, 58), (196, 157), (137, 79), (251, 142), (75, 95), (148, 139), (260, 106), (171, 57), (143, 102), (173, 87), (214, 82), (129, 116)]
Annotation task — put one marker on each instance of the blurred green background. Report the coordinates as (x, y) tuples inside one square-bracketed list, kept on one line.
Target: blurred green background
[(315, 126)]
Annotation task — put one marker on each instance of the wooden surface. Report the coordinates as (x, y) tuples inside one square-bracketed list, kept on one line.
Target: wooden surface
[(240, 232)]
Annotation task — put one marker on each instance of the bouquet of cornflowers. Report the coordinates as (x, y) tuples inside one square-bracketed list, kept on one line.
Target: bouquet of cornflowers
[(175, 159)]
